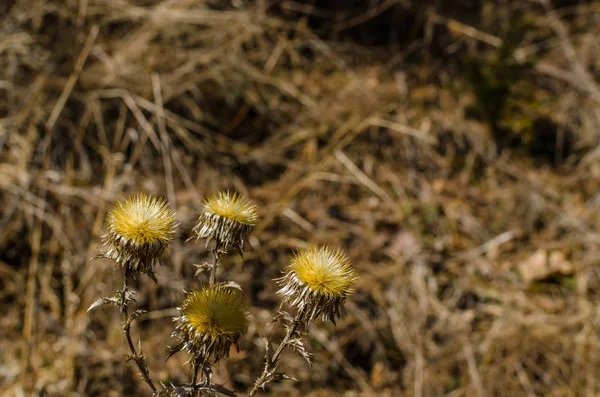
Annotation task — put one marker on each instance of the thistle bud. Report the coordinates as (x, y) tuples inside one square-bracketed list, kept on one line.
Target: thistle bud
[(317, 282), (228, 219), (140, 229), (210, 321)]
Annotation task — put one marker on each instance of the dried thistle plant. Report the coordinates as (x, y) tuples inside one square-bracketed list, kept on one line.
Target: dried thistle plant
[(215, 317), (210, 321), (317, 283), (139, 231), (228, 219)]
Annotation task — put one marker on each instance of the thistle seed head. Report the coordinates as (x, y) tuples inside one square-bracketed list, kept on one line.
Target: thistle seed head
[(140, 229), (317, 282), (210, 321), (228, 219)]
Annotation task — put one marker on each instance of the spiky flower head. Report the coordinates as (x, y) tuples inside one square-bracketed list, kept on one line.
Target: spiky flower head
[(228, 219), (210, 321), (317, 282), (140, 229)]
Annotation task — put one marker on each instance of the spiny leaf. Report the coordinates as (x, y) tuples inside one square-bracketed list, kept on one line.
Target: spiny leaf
[(298, 345), (282, 316), (174, 350), (268, 350), (232, 284), (103, 301), (283, 376), (201, 267)]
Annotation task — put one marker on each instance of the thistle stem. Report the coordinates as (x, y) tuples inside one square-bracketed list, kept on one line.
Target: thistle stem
[(139, 359), (271, 365), (195, 377), (211, 281), (213, 267)]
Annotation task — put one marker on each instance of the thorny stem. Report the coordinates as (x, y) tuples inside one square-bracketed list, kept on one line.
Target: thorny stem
[(211, 281), (138, 358), (271, 365), (195, 376), (213, 267), (196, 368)]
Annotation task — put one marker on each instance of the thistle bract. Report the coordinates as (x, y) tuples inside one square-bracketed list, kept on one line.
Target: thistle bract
[(140, 229), (317, 282), (228, 219)]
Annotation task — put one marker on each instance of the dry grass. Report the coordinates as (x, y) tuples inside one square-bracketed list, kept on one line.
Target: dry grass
[(348, 128)]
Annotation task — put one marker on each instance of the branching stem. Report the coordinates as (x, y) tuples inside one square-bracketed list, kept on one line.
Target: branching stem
[(139, 358), (271, 365)]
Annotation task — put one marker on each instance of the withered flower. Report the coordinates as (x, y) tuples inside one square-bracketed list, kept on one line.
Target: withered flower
[(317, 282), (210, 321), (140, 229), (228, 219)]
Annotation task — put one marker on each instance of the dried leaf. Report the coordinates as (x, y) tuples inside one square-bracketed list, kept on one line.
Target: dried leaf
[(201, 268), (174, 350), (136, 313), (541, 265), (282, 316), (232, 284), (298, 345), (130, 296), (283, 376), (103, 301), (207, 369), (268, 350)]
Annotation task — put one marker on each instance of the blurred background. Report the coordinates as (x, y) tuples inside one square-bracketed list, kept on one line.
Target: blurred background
[(450, 147)]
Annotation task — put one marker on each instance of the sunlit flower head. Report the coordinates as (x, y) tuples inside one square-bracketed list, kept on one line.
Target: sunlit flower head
[(317, 282), (140, 229), (210, 321), (228, 219)]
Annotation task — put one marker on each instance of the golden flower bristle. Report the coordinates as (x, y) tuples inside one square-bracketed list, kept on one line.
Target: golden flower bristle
[(140, 229), (232, 206), (216, 311), (324, 270), (228, 218), (317, 282), (210, 321), (142, 219)]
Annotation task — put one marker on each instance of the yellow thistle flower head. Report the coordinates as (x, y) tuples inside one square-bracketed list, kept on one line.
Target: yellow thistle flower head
[(210, 321), (317, 282), (228, 219), (140, 229)]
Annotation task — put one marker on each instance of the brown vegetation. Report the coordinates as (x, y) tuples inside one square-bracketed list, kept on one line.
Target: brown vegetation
[(451, 148)]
